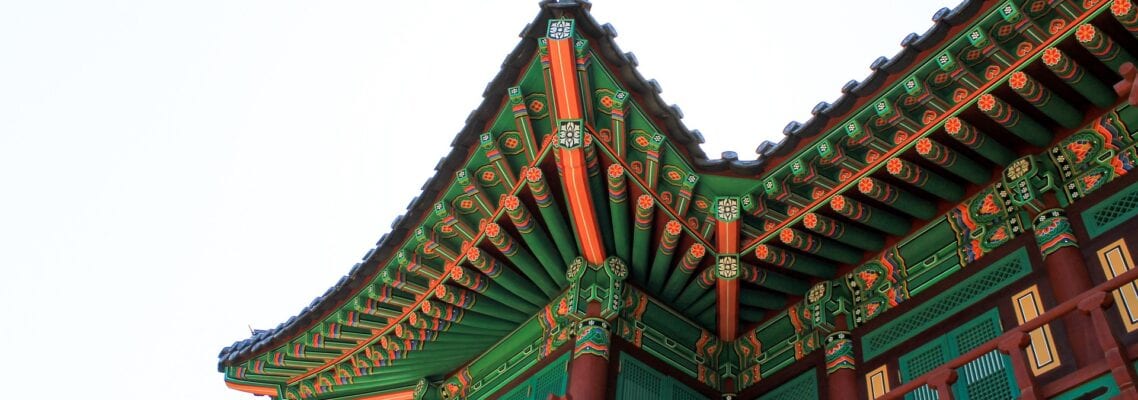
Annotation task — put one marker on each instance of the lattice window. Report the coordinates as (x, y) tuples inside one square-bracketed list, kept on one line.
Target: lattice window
[(1112, 212), (987, 281), (638, 381), (921, 361), (683, 393), (802, 387), (550, 380), (987, 377)]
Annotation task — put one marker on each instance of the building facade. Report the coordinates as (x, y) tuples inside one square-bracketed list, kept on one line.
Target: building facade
[(956, 225)]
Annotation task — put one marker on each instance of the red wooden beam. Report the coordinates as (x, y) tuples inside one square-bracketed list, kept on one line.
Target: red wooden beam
[(570, 131), (727, 266)]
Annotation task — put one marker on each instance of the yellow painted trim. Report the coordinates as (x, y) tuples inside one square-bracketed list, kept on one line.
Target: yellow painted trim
[(1042, 354), (1115, 259), (877, 382)]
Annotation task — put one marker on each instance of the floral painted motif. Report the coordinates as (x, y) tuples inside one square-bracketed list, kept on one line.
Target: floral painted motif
[(1120, 7), (986, 103), (1085, 33)]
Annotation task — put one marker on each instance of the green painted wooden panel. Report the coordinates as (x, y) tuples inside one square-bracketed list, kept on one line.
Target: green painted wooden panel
[(637, 381), (992, 278), (988, 377), (550, 380), (802, 387), (932, 269), (921, 361), (1111, 212)]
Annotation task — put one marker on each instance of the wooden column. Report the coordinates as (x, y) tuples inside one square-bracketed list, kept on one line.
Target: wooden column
[(594, 299), (588, 371), (1067, 272), (841, 372)]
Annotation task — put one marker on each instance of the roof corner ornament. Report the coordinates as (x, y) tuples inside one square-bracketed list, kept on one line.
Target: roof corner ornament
[(601, 283)]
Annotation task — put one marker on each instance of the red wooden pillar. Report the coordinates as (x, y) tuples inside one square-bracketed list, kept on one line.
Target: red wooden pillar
[(1067, 272), (841, 373), (588, 370)]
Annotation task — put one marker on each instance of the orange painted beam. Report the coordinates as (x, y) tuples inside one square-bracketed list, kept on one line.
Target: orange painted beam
[(570, 131), (727, 267), (254, 389), (563, 71), (575, 178), (404, 395)]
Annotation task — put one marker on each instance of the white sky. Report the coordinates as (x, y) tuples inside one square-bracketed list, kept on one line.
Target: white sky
[(173, 172)]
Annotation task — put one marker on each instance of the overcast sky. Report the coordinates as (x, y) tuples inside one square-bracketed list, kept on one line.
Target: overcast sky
[(175, 172)]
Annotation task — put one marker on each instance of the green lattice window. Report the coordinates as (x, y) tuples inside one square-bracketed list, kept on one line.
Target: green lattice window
[(985, 282), (1112, 212), (637, 381), (550, 380), (802, 387), (986, 378)]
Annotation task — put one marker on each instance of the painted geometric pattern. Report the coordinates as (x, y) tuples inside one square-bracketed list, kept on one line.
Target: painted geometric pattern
[(1116, 259), (1042, 353)]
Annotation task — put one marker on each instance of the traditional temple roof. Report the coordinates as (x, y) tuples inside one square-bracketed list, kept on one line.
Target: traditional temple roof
[(648, 90), (903, 144)]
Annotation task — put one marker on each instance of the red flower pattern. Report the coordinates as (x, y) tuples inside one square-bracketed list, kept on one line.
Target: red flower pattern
[(865, 185), (1052, 55), (1018, 80), (838, 202), (698, 250), (762, 252), (511, 202), (987, 102), (1085, 33), (616, 170), (493, 230), (894, 166), (810, 220), (1120, 7), (644, 201), (533, 174), (952, 125), (786, 235), (924, 146)]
